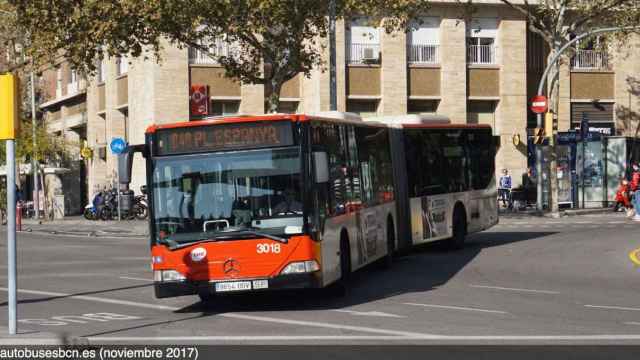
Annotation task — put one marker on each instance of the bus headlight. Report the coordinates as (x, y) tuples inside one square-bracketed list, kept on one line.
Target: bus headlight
[(300, 267), (167, 275)]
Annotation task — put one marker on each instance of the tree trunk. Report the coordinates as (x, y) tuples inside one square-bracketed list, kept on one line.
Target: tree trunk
[(273, 100)]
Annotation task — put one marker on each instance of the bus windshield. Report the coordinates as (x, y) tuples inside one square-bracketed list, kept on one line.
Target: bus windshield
[(228, 195)]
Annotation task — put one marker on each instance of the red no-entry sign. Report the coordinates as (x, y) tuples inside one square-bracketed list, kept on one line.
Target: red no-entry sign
[(539, 104)]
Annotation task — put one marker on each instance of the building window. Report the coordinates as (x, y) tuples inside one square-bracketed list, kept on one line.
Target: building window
[(288, 107), (224, 107), (481, 112), (423, 41), (364, 108), (59, 82), (422, 107), (363, 44), (72, 86), (101, 72), (122, 64), (481, 41)]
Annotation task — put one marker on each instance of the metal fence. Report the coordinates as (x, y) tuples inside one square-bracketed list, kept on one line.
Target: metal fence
[(423, 54), (590, 59), (481, 54), (363, 53)]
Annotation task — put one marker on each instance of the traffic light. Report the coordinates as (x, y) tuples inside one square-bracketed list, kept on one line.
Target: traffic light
[(538, 136)]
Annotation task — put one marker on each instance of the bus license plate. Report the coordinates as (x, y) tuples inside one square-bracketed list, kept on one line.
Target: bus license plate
[(233, 286)]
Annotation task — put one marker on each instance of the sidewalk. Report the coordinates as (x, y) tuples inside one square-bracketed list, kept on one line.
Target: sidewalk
[(79, 226), (529, 212)]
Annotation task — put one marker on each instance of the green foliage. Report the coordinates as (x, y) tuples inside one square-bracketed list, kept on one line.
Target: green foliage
[(273, 40)]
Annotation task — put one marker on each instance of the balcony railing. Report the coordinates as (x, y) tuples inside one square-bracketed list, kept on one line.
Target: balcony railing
[(363, 54), (590, 60), (423, 54), (216, 50), (481, 54)]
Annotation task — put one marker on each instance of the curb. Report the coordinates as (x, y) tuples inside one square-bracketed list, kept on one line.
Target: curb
[(92, 234)]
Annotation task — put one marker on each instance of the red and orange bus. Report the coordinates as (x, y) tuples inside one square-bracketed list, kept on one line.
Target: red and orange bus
[(295, 201)]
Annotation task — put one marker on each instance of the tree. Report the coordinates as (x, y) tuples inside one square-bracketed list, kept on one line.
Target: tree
[(271, 41), (557, 22)]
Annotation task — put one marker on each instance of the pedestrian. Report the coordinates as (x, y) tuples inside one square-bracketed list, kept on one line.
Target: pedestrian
[(504, 188), (634, 188), (622, 196)]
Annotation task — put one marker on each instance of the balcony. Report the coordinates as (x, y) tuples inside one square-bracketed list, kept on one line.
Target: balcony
[(363, 54), (590, 60), (423, 54), (481, 54), (216, 50)]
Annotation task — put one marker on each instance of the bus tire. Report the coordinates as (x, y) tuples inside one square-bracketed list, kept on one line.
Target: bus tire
[(205, 297), (341, 287), (459, 228), (391, 244)]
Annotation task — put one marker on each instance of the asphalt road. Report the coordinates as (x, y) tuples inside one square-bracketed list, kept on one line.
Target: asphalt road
[(526, 281)]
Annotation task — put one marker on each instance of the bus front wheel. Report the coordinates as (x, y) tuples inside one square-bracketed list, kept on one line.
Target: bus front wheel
[(341, 287), (391, 244)]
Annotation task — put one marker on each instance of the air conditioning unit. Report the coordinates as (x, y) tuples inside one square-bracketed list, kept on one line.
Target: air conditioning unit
[(369, 54)]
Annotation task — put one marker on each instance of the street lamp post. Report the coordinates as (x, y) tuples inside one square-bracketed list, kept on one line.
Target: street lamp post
[(34, 161)]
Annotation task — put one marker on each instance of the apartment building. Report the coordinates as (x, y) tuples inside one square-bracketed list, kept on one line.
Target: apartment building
[(478, 71)]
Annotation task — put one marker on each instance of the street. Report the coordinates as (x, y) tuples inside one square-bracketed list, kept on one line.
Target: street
[(528, 280)]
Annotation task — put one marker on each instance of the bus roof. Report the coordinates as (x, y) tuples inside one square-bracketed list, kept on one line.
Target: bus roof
[(405, 121)]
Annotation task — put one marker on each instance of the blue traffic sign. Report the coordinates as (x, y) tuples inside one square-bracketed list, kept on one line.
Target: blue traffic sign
[(118, 145)]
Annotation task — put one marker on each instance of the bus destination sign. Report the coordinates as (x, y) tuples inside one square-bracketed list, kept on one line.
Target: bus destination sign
[(218, 137)]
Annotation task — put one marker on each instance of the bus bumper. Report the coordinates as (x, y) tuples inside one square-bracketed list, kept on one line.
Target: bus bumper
[(280, 282)]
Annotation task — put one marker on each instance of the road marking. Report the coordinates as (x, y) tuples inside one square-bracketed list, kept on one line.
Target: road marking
[(324, 325), (226, 315), (632, 323), (63, 320), (369, 313), (146, 339), (515, 289), (135, 278), (613, 307), (634, 256), (457, 308)]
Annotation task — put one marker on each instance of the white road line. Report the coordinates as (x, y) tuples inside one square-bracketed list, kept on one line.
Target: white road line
[(457, 308), (632, 323), (226, 315), (135, 278), (515, 289), (369, 313), (613, 307), (145, 339), (97, 299), (324, 325)]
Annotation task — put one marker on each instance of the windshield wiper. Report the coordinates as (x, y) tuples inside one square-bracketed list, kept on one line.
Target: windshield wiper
[(251, 231), (221, 235)]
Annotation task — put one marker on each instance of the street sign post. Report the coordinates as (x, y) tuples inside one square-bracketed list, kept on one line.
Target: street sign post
[(539, 104), (118, 146), (9, 128)]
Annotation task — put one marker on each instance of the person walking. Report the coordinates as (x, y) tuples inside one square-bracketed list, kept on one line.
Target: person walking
[(634, 189), (504, 188)]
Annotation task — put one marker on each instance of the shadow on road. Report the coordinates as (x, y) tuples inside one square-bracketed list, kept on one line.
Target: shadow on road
[(423, 269)]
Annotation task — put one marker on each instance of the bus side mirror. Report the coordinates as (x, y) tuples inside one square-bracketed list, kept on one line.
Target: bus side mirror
[(125, 162), (321, 165)]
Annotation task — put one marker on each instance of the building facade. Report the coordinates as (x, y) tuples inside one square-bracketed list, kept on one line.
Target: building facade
[(481, 70)]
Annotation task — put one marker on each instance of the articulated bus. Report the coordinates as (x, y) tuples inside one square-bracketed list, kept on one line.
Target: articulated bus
[(254, 203)]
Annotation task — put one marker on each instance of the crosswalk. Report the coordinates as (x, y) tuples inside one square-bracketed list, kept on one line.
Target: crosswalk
[(583, 222)]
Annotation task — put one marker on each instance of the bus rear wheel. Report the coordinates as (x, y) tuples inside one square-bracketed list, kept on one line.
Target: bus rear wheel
[(457, 239)]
